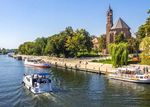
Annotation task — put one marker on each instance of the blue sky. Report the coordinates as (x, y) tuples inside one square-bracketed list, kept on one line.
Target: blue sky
[(25, 20)]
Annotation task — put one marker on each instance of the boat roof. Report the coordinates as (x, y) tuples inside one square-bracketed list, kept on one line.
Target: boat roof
[(128, 69), (42, 74)]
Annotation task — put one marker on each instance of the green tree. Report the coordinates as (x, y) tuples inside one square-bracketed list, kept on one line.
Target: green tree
[(40, 44), (102, 42), (52, 47), (148, 11), (133, 45), (80, 41), (144, 30), (119, 53), (73, 44), (85, 40), (145, 47), (63, 36), (120, 38), (67, 44), (27, 48), (3, 51)]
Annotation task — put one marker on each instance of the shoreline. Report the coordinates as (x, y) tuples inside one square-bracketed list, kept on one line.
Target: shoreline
[(82, 64)]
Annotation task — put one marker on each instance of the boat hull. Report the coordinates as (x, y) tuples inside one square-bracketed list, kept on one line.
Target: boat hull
[(40, 65), (143, 81)]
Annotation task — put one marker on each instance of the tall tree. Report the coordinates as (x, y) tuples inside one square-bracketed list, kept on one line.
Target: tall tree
[(40, 44), (102, 42), (52, 47), (28, 48), (120, 38), (144, 30), (85, 40), (80, 41), (145, 47), (119, 53), (133, 45)]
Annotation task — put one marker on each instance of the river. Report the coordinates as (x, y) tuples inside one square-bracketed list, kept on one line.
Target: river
[(70, 89)]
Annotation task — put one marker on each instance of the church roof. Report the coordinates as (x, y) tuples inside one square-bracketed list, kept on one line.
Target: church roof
[(120, 25)]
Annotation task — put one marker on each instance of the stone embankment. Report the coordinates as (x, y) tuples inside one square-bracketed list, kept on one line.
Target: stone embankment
[(83, 64)]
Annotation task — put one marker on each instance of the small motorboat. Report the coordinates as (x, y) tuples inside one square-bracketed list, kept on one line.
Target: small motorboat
[(38, 82), (36, 63), (130, 74)]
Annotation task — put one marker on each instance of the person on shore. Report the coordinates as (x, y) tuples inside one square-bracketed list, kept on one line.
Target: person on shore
[(86, 63), (146, 69), (80, 62)]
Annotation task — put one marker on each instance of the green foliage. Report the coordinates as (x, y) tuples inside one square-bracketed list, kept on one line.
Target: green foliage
[(119, 53), (65, 44), (133, 45), (87, 54), (3, 51), (40, 44), (148, 11), (120, 38), (79, 41), (106, 61), (27, 48), (102, 42), (145, 47), (144, 30)]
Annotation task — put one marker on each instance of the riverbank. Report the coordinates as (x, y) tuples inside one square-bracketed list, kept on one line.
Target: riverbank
[(83, 64)]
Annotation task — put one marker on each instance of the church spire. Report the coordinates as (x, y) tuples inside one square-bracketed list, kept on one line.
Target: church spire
[(109, 8), (109, 24)]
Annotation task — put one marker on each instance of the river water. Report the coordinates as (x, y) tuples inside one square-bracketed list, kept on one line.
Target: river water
[(70, 89)]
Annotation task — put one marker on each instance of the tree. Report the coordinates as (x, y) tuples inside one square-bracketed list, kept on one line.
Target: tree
[(133, 45), (80, 41), (102, 42), (3, 51), (145, 47), (119, 53), (52, 47), (85, 40), (40, 44), (65, 44), (27, 48), (120, 38), (73, 44), (148, 11), (144, 30)]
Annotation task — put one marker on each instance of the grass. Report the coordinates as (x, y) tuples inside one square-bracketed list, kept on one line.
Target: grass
[(106, 61), (86, 54)]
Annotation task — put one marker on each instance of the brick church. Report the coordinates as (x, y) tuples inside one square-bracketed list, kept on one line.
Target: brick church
[(113, 30)]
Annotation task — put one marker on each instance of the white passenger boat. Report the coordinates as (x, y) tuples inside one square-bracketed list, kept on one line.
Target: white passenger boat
[(130, 74), (38, 82), (36, 63)]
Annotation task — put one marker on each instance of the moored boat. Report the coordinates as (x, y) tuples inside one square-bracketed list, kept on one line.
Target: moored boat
[(36, 63), (130, 74), (38, 82)]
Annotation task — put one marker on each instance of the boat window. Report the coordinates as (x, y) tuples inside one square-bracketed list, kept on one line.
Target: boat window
[(137, 77), (141, 77), (43, 80), (28, 79)]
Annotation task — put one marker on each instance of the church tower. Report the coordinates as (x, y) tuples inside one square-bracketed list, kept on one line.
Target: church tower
[(109, 24)]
